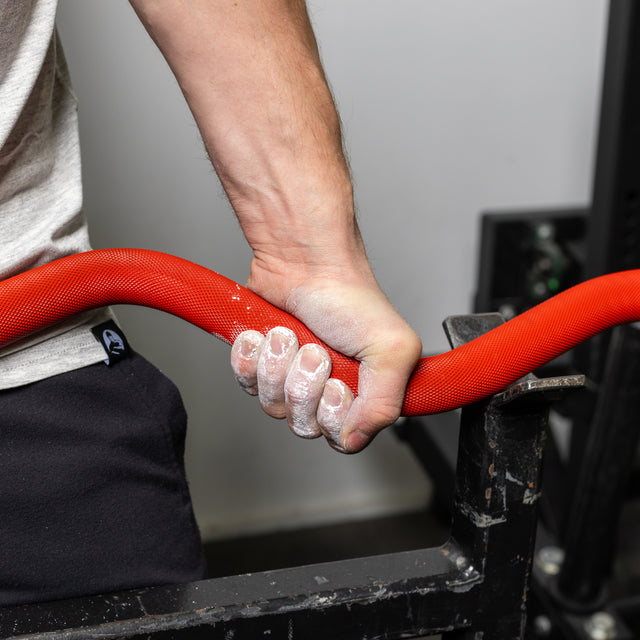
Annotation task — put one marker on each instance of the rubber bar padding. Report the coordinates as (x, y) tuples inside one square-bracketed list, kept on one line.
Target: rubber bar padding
[(48, 294)]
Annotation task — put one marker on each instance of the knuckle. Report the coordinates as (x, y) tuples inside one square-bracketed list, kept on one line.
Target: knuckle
[(381, 415), (300, 392)]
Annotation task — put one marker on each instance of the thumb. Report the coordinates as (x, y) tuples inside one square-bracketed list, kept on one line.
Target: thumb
[(382, 381)]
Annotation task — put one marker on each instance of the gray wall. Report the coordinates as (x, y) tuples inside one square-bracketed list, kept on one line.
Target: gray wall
[(449, 107)]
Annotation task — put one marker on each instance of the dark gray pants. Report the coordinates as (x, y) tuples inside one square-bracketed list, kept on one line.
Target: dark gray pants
[(93, 496)]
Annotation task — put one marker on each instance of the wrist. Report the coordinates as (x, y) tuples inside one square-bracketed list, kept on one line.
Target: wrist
[(303, 231), (276, 273)]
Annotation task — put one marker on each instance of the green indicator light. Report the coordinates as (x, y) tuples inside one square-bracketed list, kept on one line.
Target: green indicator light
[(553, 284)]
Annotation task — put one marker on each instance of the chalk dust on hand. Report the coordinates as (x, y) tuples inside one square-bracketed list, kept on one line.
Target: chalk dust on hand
[(303, 389), (278, 351), (244, 360), (334, 405)]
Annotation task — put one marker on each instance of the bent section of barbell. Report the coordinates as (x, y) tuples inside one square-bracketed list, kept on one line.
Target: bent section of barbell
[(48, 294)]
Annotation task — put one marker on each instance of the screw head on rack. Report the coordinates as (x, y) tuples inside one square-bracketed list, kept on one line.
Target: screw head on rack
[(601, 626), (549, 560), (542, 626)]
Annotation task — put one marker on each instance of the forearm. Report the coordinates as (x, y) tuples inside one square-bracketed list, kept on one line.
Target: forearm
[(251, 73)]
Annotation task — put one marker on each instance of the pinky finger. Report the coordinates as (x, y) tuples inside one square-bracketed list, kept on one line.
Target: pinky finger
[(334, 405)]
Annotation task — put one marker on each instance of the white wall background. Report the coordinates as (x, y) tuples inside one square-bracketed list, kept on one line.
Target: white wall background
[(450, 107)]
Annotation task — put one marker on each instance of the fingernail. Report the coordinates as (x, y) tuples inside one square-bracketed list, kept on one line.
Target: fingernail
[(355, 441), (248, 349), (332, 397), (279, 343), (310, 360)]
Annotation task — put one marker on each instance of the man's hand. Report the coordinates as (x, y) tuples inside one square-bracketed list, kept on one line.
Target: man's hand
[(353, 318), (251, 73)]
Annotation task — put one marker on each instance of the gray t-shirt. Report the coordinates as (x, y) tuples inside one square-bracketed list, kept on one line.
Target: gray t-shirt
[(41, 215)]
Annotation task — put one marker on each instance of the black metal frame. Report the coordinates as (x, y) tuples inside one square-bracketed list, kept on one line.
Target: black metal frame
[(613, 235), (614, 224), (586, 490), (569, 594)]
